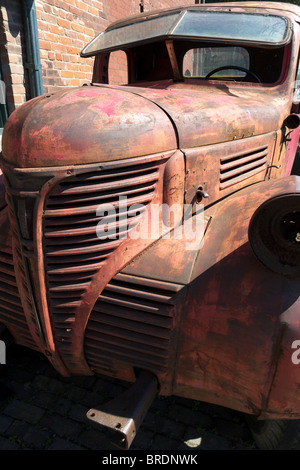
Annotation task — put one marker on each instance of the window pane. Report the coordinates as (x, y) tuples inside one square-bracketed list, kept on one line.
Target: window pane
[(252, 27), (238, 26), (131, 33), (117, 68), (199, 62)]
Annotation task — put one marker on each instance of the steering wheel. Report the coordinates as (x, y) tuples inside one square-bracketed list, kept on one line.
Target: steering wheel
[(233, 67)]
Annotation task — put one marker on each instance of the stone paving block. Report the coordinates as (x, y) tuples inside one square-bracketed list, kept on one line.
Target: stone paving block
[(21, 375), (41, 382), (190, 416), (90, 399), (22, 391), (17, 429), (74, 393), (5, 422), (150, 420), (63, 444), (163, 442), (47, 411), (57, 404), (101, 386), (23, 411), (57, 387), (36, 438), (143, 440), (78, 413), (94, 440), (29, 435), (170, 427), (43, 399), (236, 429), (7, 444), (210, 441), (60, 426), (82, 382)]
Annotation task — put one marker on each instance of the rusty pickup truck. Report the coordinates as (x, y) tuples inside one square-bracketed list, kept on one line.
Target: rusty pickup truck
[(150, 230)]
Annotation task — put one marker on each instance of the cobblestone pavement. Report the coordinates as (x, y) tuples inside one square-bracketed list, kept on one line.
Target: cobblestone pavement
[(44, 411)]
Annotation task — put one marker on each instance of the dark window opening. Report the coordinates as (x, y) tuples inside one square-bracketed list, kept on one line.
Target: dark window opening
[(198, 62), (151, 62), (265, 63)]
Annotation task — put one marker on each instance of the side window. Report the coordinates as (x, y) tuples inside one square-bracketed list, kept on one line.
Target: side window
[(118, 68), (197, 63)]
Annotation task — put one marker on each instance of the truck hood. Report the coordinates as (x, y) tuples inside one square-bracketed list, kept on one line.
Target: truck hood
[(215, 113), (85, 125), (104, 123)]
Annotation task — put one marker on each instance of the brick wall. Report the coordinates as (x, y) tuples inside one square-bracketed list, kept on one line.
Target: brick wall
[(64, 28)]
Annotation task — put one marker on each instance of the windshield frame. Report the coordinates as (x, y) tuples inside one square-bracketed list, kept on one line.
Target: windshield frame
[(91, 48)]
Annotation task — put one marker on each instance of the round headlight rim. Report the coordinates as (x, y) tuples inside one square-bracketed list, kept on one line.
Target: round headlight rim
[(268, 213)]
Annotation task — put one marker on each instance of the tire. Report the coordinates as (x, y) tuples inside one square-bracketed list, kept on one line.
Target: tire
[(275, 434)]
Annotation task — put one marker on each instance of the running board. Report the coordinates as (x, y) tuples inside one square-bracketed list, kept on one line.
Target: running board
[(124, 414)]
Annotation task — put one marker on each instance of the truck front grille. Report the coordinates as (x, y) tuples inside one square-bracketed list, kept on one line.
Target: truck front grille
[(132, 322), (73, 250), (11, 309), (72, 232)]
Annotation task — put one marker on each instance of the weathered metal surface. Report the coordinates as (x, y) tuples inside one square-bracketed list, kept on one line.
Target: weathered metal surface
[(236, 312), (85, 125), (283, 400), (134, 325), (67, 263), (224, 168), (198, 111), (11, 302), (234, 320), (213, 323), (112, 130)]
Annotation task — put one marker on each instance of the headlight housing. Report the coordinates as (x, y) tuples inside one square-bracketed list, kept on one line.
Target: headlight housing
[(274, 234)]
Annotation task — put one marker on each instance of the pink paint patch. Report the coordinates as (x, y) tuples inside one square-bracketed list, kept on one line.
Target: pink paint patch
[(109, 109), (186, 102)]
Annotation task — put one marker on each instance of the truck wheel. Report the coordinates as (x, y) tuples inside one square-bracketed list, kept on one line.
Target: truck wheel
[(275, 434)]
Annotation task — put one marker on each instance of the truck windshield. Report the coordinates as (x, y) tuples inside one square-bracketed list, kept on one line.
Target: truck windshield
[(250, 28), (236, 26)]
